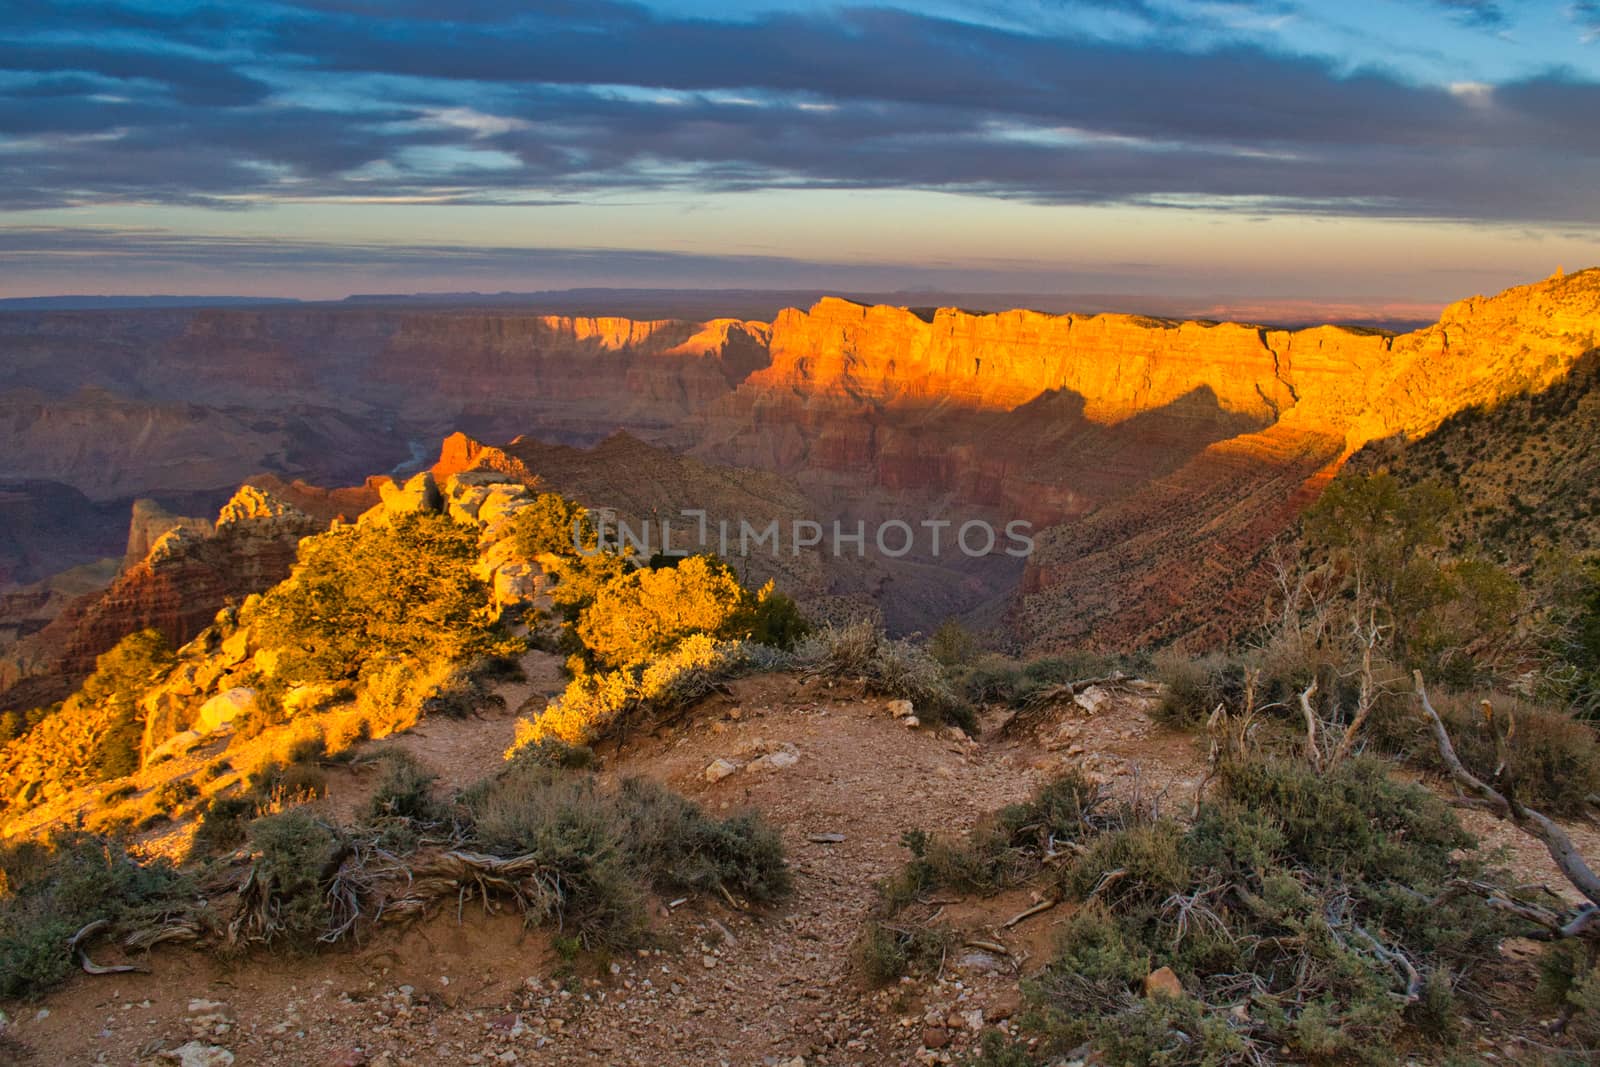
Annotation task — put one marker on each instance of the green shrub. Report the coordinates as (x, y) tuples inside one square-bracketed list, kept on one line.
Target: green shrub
[(993, 680), (120, 678), (122, 675), (884, 951), (899, 670), (596, 705), (173, 795), (578, 580), (565, 822), (291, 782), (768, 618), (645, 613), (682, 848), (952, 645), (371, 593), (222, 826), (49, 890), (1136, 868), (552, 524), (1001, 851), (1569, 982), (1094, 972), (996, 1049), (296, 855), (404, 790), (554, 752), (1194, 687), (600, 851), (1310, 886), (997, 680)]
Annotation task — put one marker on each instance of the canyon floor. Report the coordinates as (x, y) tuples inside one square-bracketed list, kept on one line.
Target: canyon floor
[(719, 984)]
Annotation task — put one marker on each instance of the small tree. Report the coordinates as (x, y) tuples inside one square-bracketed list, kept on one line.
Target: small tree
[(554, 525), (368, 593), (120, 678), (644, 613)]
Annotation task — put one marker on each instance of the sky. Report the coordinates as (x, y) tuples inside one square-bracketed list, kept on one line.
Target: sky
[(1370, 154)]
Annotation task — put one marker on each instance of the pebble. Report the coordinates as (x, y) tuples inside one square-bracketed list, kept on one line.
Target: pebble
[(719, 769), (199, 1054), (1162, 983)]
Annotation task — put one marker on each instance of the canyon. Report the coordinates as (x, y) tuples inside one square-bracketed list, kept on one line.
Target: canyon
[(1157, 460)]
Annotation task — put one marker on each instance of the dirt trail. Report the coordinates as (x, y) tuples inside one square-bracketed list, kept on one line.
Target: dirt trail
[(721, 986)]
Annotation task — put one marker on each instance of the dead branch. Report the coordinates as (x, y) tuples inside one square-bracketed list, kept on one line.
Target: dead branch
[(988, 946), (76, 946), (1556, 925), (1313, 747), (1394, 959), (1367, 636), (1107, 880), (1043, 905), (1536, 825), (149, 937)]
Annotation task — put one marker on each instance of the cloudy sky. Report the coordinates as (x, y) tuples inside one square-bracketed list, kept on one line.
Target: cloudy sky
[(1364, 153)]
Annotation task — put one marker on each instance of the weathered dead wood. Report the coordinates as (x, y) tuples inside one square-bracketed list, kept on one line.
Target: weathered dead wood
[(77, 946), (1367, 637), (1313, 746), (1043, 905), (1568, 860)]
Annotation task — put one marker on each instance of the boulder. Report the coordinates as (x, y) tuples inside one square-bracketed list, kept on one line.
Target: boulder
[(1092, 700), (175, 745), (236, 647), (500, 507), (199, 1054), (222, 709), (516, 584), (420, 493), (491, 557), (268, 661), (719, 769), (778, 759), (463, 505), (166, 711)]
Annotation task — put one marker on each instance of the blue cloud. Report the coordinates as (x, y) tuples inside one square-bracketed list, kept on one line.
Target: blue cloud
[(494, 103)]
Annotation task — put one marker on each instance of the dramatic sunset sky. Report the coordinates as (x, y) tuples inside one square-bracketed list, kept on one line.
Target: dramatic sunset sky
[(1360, 153)]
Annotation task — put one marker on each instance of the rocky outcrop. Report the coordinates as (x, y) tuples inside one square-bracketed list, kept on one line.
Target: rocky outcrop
[(327, 506), (150, 522), (1052, 415), (460, 453), (176, 588)]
